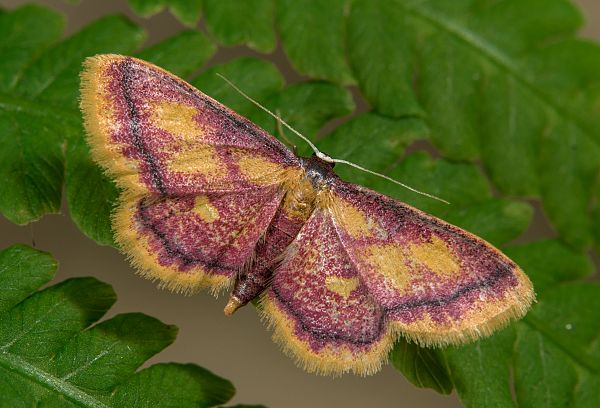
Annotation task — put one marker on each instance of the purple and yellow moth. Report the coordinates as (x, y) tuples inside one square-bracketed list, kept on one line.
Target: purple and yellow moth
[(210, 200)]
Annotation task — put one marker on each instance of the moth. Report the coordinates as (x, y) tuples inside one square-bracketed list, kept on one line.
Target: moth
[(210, 200)]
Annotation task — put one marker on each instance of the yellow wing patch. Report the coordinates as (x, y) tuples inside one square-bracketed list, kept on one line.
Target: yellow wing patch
[(197, 159), (389, 261), (436, 256), (259, 170), (177, 119), (342, 286), (205, 209), (352, 219)]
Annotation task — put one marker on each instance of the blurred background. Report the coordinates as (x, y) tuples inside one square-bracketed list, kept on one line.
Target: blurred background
[(238, 348)]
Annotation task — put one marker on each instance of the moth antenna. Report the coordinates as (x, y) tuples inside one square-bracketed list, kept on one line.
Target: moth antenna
[(322, 155), (414, 190), (283, 122)]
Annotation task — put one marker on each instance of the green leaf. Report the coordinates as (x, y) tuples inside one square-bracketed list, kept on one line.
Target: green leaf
[(54, 76), (480, 371), (90, 194), (370, 140), (567, 71), (450, 91), (31, 159), (461, 184), (421, 366), (22, 270), (569, 170), (313, 38), (305, 106), (147, 8), (504, 82), (146, 388), (20, 44), (549, 262), (242, 22), (107, 354), (596, 216), (514, 123), (180, 54), (40, 113), (381, 55), (555, 360), (39, 326), (27, 190), (497, 220), (187, 11), (557, 355), (543, 371), (49, 358), (256, 77)]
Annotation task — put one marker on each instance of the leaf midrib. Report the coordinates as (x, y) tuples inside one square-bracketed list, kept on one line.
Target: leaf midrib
[(496, 57), (17, 365)]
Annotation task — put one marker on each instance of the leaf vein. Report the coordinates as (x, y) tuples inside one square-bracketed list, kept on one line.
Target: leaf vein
[(496, 57)]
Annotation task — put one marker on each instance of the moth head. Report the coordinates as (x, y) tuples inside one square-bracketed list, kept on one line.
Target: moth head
[(319, 171)]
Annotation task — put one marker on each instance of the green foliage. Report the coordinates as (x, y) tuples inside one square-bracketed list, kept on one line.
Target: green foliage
[(549, 262), (504, 82), (187, 11), (557, 355), (480, 372), (380, 52), (503, 89), (472, 205), (181, 54), (306, 106), (259, 78), (242, 22), (387, 139), (314, 42), (552, 352), (35, 92), (49, 356), (421, 366)]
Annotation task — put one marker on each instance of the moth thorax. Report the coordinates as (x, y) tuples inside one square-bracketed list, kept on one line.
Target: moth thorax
[(299, 200)]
